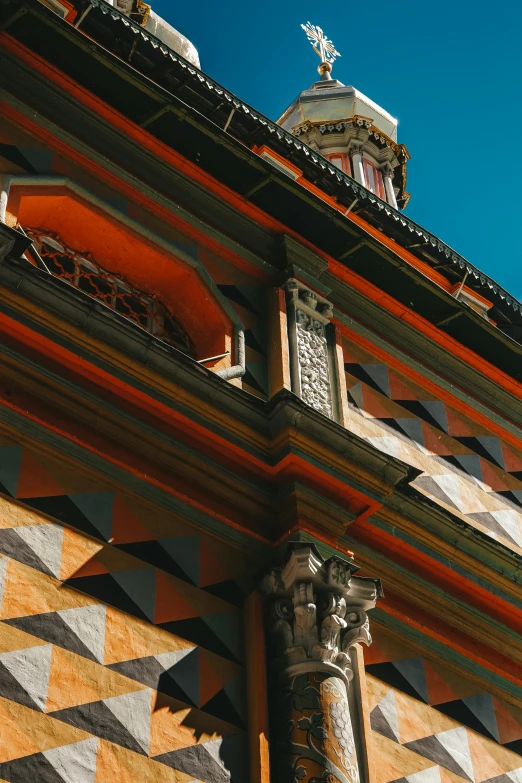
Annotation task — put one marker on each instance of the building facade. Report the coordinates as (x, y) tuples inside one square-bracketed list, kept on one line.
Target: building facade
[(260, 434)]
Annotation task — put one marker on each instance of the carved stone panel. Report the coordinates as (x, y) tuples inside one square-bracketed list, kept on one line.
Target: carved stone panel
[(310, 359)]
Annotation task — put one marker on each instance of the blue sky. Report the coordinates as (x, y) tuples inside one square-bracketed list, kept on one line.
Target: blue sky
[(449, 71)]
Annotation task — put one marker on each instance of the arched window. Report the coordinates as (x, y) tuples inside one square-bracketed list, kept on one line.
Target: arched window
[(81, 271), (374, 181), (341, 160)]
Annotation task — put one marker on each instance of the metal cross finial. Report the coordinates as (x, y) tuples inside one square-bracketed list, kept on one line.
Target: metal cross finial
[(321, 45)]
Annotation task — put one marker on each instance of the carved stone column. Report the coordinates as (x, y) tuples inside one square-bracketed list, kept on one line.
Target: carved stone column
[(316, 611), (355, 152), (387, 173), (311, 370)]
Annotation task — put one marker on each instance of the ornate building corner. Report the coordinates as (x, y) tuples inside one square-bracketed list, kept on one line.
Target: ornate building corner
[(312, 370), (316, 612)]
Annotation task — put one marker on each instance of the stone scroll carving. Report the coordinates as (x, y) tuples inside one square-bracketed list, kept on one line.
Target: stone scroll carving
[(308, 318), (316, 611)]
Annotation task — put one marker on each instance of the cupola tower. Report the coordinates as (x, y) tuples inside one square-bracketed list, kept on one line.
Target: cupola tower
[(349, 129)]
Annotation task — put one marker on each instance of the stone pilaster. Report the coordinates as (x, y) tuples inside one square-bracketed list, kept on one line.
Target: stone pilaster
[(311, 366), (316, 611)]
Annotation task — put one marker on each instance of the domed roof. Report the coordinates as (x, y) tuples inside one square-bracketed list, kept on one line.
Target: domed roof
[(172, 38), (331, 101), (156, 25)]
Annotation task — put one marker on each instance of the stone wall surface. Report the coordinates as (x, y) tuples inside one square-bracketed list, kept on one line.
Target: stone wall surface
[(120, 636)]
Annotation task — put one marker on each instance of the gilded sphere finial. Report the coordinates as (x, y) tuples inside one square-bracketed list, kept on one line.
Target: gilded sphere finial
[(323, 48)]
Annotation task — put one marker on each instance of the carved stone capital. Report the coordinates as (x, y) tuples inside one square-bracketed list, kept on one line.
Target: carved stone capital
[(318, 610), (355, 148), (387, 170)]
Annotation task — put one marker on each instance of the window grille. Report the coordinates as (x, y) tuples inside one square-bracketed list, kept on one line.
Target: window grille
[(80, 270)]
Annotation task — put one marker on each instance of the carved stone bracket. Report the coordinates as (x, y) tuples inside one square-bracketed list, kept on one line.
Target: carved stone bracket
[(316, 611), (310, 360)]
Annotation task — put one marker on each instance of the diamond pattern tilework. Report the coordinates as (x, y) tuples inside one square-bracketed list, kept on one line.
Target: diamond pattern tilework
[(415, 742), (113, 667), (446, 691), (466, 468)]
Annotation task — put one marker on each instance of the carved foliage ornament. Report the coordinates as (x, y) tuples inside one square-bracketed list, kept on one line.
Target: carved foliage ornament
[(318, 611), (309, 317)]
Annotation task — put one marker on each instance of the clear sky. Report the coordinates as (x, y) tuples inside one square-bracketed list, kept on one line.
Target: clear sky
[(450, 71)]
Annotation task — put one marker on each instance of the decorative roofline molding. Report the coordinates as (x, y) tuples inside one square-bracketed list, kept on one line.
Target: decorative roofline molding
[(357, 121), (364, 196), (356, 190)]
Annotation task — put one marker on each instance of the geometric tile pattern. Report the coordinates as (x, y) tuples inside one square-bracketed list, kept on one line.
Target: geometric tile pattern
[(465, 468), (445, 690), (113, 666), (112, 679), (414, 742), (162, 540)]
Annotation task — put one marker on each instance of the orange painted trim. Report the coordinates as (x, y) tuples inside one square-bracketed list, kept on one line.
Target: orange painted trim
[(132, 194), (279, 158), (471, 293), (138, 134), (257, 691), (95, 376), (277, 342), (172, 423), (430, 386), (427, 568), (129, 469), (468, 646), (177, 161), (339, 491), (367, 513)]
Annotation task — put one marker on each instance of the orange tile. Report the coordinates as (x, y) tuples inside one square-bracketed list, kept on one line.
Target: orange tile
[(78, 552), (24, 731), (128, 637), (29, 592), (75, 680)]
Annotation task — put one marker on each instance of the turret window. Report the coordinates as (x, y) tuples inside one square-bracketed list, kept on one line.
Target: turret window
[(374, 180), (341, 160)]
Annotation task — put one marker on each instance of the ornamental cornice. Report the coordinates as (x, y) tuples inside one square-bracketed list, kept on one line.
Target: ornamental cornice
[(356, 122)]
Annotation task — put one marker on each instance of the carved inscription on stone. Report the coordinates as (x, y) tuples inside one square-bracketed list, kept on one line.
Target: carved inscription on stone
[(309, 316)]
